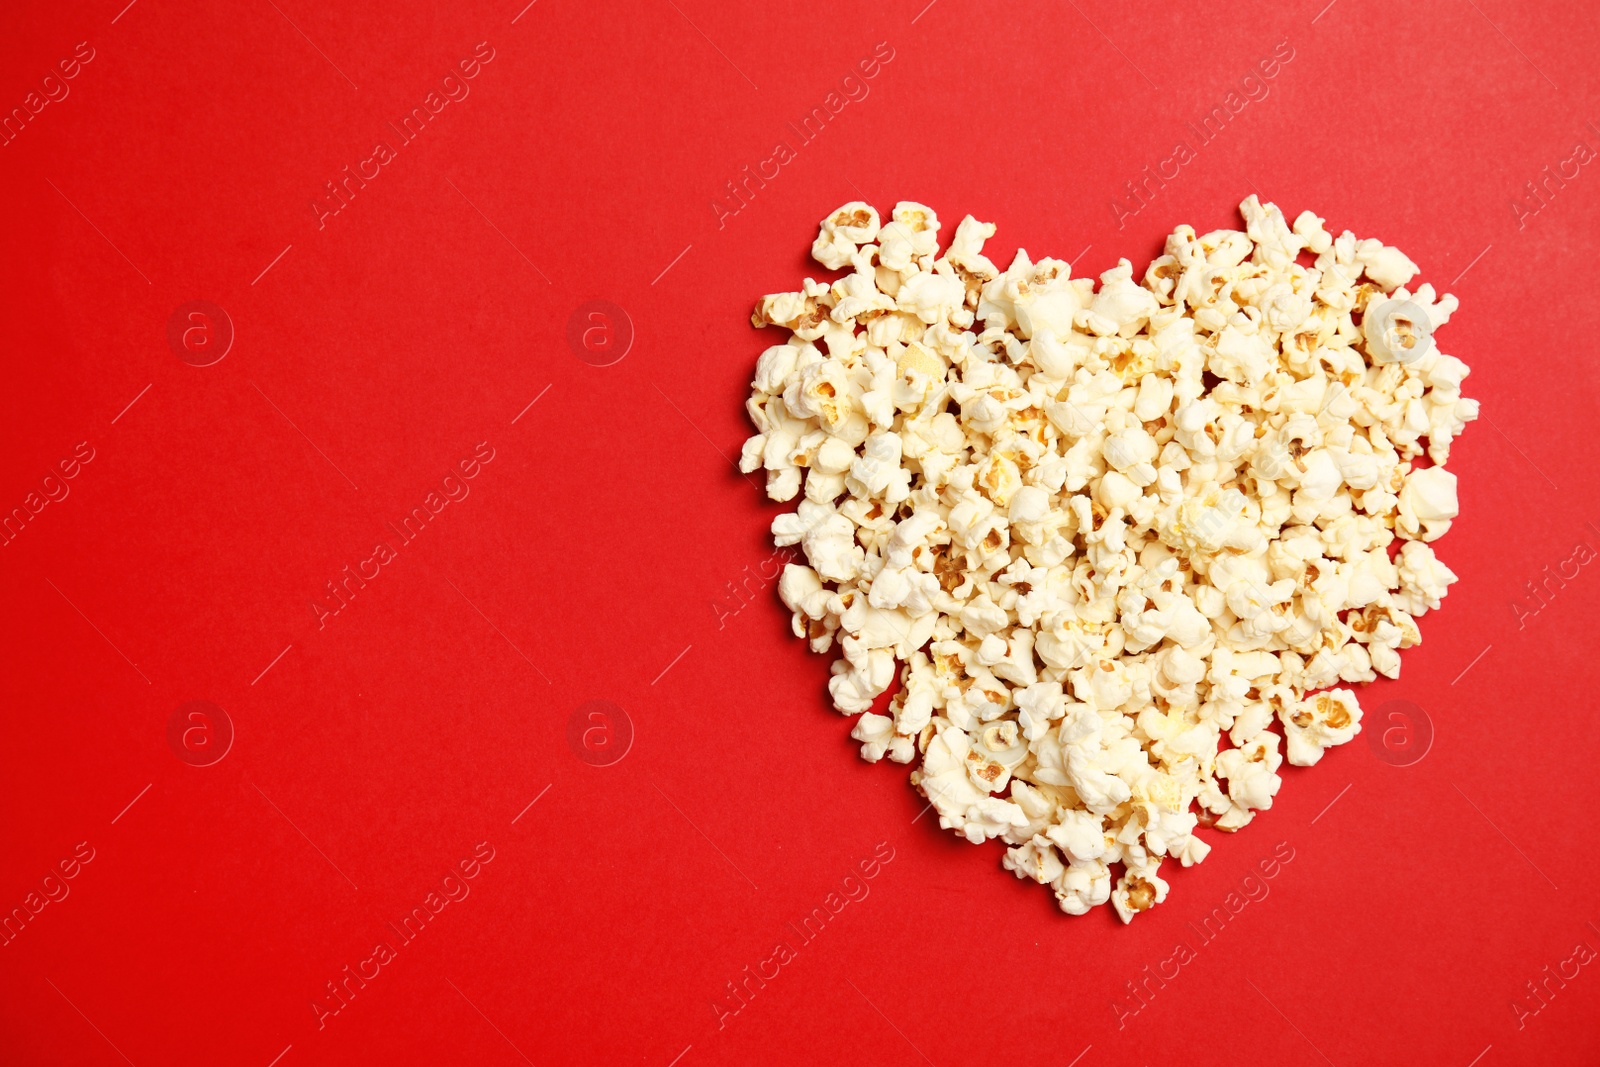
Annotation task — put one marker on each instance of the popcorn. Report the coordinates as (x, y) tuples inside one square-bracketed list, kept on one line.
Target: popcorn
[(1139, 889), (1252, 774), (1397, 331), (854, 224), (1423, 579), (1317, 722), (1427, 503), (876, 733), (1092, 528), (1034, 859)]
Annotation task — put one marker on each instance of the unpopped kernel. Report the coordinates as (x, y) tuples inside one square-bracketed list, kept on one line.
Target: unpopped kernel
[(1117, 542)]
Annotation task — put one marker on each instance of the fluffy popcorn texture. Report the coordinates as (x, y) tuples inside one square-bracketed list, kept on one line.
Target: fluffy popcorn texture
[(1122, 541)]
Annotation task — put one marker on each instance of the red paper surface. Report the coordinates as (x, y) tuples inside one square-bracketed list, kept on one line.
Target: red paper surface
[(375, 348)]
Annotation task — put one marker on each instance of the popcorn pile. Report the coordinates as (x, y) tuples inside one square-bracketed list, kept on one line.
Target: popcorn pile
[(1112, 535)]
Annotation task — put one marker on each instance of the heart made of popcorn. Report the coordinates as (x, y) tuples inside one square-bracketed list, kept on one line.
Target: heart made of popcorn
[(1120, 540)]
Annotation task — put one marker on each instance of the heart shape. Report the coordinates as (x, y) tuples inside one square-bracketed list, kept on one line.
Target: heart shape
[(1121, 539)]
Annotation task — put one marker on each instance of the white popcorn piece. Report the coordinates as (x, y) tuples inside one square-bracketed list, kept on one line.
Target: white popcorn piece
[(855, 686), (943, 778), (1034, 859), (1424, 580), (1389, 268), (1252, 774), (965, 253), (1320, 722), (1139, 889), (801, 590), (853, 224), (931, 297), (1083, 886), (912, 232), (1122, 305), (876, 733), (1100, 525), (1427, 504), (1397, 331)]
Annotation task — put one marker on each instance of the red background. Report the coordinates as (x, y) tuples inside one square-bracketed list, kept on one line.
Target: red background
[(594, 548)]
